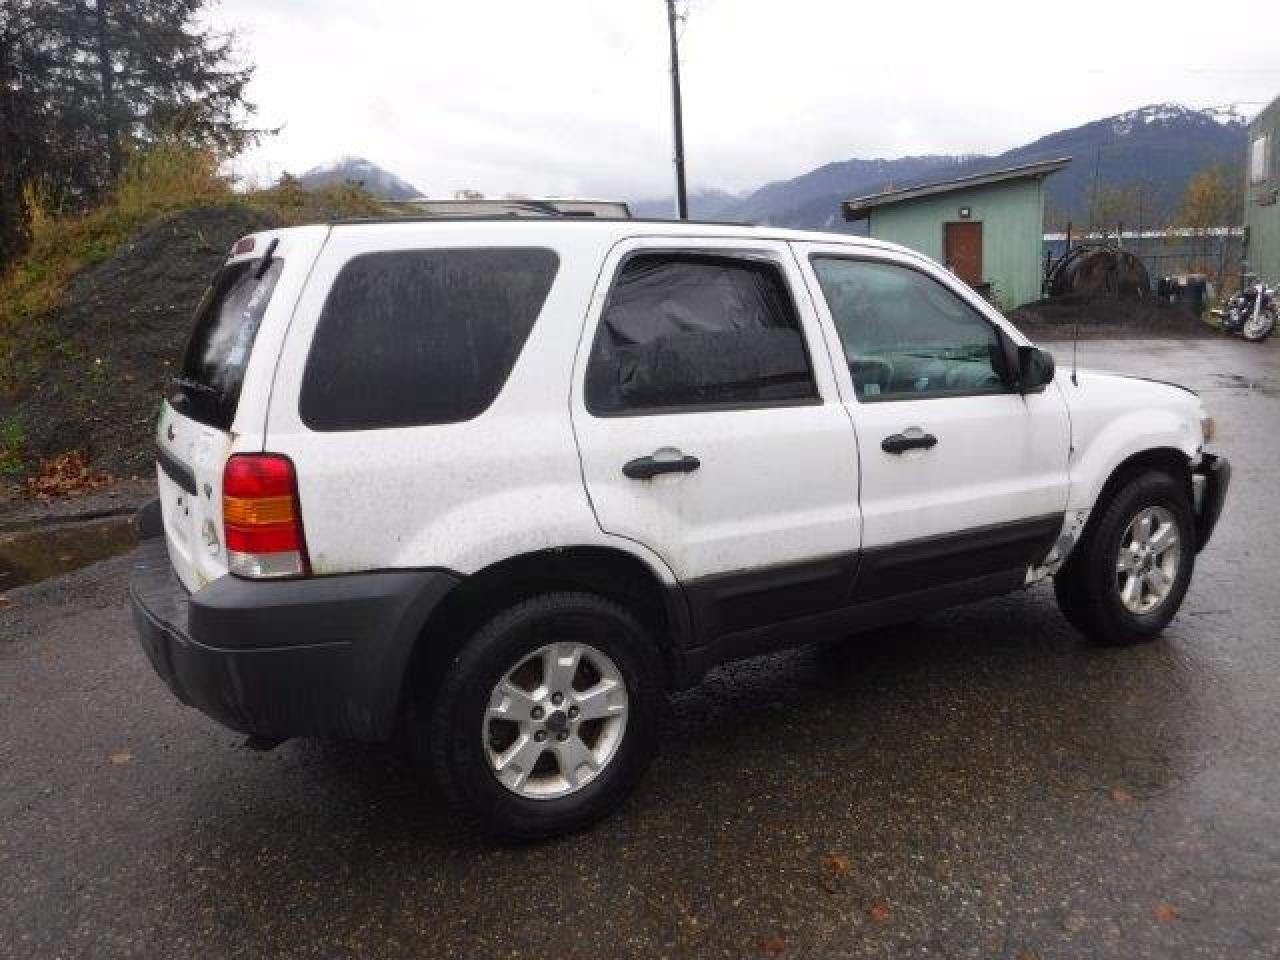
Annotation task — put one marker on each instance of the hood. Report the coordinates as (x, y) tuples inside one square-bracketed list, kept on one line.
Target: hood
[(1109, 396)]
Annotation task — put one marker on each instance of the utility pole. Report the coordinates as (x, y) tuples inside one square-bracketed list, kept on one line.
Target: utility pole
[(682, 201)]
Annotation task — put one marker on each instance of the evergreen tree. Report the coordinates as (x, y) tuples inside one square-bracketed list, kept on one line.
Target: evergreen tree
[(84, 81)]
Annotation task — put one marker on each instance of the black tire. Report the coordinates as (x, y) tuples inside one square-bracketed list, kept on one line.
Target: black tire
[(1086, 585), (453, 744)]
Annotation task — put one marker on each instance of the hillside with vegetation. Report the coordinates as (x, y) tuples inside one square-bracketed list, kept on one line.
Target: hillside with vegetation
[(94, 315)]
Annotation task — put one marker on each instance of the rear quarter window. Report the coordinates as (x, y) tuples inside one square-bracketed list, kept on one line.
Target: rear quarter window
[(418, 337)]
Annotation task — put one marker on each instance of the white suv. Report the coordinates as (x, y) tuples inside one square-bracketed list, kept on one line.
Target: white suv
[(504, 483)]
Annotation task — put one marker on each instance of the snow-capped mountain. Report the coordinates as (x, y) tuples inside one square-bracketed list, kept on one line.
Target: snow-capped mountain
[(379, 182), (1158, 147)]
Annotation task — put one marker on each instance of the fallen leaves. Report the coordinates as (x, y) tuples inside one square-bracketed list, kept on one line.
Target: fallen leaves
[(1166, 912), (880, 912), (773, 946), (5, 602), (1122, 796), (834, 867), (121, 758), (66, 475), (834, 863)]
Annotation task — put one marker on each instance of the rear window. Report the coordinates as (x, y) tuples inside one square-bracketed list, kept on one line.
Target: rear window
[(418, 337), (226, 323)]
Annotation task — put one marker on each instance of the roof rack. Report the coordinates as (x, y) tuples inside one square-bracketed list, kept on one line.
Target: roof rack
[(541, 221)]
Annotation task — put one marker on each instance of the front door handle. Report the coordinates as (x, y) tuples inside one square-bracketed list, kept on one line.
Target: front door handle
[(901, 443), (645, 468)]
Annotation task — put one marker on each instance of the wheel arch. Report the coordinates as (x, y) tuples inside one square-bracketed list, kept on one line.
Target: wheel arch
[(607, 571), (1143, 436), (1169, 460)]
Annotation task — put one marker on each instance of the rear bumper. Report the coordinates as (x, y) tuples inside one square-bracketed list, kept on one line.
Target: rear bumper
[(1212, 478), (321, 657)]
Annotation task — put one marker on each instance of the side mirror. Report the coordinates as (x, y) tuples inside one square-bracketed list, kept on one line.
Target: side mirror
[(1035, 369)]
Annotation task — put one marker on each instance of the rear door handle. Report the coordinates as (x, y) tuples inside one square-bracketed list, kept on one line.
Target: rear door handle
[(645, 468), (901, 443)]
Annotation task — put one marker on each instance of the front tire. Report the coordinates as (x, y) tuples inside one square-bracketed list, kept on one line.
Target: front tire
[(1257, 329), (1128, 575), (547, 717)]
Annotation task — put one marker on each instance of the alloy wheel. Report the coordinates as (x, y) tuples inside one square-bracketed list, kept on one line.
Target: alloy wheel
[(1149, 555), (555, 720)]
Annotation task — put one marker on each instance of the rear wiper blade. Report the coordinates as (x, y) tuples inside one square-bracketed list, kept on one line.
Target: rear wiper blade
[(186, 383), (265, 263)]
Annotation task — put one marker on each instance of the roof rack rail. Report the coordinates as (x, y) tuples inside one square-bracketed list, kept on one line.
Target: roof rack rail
[(517, 218)]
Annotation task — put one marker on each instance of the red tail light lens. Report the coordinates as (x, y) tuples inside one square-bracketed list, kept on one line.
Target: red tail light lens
[(261, 518)]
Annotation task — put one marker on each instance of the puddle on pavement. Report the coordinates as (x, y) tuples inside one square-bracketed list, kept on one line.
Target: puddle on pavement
[(1267, 386)]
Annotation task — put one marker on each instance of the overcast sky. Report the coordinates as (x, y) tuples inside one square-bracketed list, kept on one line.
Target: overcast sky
[(572, 97)]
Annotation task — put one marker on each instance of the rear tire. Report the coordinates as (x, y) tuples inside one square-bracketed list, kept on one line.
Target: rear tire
[(1127, 577), (577, 672)]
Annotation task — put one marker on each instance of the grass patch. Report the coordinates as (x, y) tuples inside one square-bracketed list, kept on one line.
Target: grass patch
[(12, 440), (170, 176)]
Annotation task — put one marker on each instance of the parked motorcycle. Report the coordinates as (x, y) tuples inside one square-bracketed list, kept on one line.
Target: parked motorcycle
[(1252, 313)]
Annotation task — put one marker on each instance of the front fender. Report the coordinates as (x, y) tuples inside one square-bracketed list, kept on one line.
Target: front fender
[(1097, 454)]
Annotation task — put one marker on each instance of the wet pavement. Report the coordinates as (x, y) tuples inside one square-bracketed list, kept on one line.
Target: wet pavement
[(981, 784)]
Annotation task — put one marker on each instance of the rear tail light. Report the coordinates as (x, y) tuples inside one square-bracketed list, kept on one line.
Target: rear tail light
[(261, 519)]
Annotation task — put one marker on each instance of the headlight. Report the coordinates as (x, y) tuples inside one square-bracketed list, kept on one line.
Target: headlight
[(1208, 429)]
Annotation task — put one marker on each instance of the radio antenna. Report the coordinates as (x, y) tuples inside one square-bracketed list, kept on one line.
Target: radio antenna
[(1075, 352)]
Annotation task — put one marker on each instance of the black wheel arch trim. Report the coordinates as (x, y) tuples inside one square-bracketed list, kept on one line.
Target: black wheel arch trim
[(1216, 471)]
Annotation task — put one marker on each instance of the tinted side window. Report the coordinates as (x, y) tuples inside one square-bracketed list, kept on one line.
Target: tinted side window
[(682, 331), (905, 335), (421, 336)]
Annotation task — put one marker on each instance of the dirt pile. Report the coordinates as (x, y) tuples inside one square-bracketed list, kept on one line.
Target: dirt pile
[(1055, 318), (94, 371)]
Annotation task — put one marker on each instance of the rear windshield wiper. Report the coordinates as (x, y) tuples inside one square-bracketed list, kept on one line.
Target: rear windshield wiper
[(186, 383)]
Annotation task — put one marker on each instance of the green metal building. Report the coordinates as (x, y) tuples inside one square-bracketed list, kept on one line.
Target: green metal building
[(987, 228), (1262, 189)]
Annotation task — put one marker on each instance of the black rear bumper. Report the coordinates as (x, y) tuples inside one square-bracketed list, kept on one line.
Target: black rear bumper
[(1216, 471), (321, 657)]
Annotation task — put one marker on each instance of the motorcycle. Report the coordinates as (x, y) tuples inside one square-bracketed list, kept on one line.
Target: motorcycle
[(1251, 313)]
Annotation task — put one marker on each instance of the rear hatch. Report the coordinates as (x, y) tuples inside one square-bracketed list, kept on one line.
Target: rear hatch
[(247, 304)]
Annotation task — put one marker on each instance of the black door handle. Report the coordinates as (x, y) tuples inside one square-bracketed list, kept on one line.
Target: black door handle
[(645, 468), (901, 443)]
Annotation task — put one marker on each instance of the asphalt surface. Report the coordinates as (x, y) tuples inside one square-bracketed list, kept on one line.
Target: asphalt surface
[(981, 784)]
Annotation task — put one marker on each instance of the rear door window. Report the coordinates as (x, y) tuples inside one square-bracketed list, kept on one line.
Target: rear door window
[(226, 324), (417, 337), (683, 332)]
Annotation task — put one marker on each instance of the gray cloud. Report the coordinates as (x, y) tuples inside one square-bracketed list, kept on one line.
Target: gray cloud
[(571, 96)]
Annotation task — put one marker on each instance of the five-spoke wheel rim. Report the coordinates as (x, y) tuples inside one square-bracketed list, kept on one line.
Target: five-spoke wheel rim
[(1147, 564), (555, 720)]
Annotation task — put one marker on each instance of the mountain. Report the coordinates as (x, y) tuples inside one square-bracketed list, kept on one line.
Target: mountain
[(1158, 147), (381, 183), (704, 204)]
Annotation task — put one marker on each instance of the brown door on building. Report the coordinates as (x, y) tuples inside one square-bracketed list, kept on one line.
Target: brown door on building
[(962, 249)]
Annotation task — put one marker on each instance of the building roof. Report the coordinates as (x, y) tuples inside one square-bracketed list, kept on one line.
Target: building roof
[(860, 207), (1263, 115)]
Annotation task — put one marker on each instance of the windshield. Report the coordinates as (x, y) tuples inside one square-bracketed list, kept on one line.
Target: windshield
[(226, 323)]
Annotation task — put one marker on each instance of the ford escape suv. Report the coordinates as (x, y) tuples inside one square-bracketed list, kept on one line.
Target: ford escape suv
[(502, 485)]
